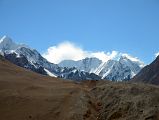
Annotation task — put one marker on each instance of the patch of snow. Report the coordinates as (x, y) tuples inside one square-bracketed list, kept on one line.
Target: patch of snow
[(49, 73)]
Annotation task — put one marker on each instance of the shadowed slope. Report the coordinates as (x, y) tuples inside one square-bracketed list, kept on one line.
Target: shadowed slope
[(149, 74)]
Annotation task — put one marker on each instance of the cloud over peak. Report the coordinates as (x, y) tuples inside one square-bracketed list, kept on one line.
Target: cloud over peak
[(70, 51), (64, 51)]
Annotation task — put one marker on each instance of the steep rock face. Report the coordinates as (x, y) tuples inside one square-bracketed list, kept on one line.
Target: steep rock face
[(149, 74), (23, 62), (35, 58)]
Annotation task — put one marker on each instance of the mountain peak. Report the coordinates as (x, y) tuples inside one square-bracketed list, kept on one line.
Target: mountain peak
[(126, 57), (6, 43)]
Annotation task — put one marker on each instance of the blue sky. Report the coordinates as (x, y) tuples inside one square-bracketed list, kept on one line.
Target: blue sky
[(128, 26)]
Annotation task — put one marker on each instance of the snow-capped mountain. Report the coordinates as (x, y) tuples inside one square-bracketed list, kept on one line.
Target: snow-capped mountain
[(36, 59), (24, 56), (87, 64), (89, 68), (124, 69), (31, 59), (117, 70)]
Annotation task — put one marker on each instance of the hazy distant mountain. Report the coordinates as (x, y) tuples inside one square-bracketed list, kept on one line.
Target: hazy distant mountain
[(87, 64)]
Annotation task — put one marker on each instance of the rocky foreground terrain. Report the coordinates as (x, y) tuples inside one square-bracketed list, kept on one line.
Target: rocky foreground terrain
[(25, 95)]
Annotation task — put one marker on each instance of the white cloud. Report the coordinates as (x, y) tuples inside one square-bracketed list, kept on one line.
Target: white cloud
[(69, 51), (64, 51), (104, 56), (156, 54), (130, 57)]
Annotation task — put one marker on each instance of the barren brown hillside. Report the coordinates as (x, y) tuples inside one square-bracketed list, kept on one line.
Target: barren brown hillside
[(25, 95)]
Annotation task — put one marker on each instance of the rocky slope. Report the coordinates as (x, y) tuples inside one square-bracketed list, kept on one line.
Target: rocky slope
[(149, 74), (125, 101)]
